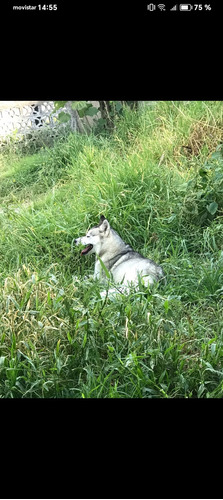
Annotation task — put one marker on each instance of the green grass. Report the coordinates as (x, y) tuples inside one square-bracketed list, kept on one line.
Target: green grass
[(154, 178)]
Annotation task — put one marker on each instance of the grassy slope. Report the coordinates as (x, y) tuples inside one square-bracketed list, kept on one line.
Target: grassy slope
[(58, 338)]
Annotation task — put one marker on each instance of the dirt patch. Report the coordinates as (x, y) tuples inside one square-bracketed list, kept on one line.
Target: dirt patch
[(202, 134)]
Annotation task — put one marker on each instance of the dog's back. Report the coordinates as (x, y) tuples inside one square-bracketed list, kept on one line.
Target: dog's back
[(132, 266)]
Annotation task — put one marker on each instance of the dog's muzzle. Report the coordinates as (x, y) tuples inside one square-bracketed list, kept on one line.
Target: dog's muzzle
[(85, 250)]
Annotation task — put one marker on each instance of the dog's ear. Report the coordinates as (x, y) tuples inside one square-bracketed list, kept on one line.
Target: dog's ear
[(102, 218), (104, 226)]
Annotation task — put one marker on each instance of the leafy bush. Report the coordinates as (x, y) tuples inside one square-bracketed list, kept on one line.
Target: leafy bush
[(203, 200)]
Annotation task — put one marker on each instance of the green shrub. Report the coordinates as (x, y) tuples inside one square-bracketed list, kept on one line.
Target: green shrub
[(204, 192)]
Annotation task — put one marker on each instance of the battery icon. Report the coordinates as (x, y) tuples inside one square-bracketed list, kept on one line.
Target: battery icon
[(186, 6)]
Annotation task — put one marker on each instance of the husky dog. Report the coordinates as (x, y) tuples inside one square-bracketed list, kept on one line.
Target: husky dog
[(124, 264)]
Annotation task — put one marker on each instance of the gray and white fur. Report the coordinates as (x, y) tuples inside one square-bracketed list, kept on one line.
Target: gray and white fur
[(124, 264)]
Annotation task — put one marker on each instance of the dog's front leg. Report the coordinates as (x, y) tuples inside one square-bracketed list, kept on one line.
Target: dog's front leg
[(97, 270)]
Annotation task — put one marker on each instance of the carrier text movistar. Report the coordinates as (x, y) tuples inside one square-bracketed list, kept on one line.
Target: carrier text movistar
[(24, 7)]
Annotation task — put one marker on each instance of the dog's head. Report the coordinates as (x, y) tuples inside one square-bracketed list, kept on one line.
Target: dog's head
[(95, 237)]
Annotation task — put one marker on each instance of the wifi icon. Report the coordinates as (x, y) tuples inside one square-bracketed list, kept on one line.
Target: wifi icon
[(161, 6)]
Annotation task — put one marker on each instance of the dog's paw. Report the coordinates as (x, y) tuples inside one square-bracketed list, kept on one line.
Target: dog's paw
[(111, 293)]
